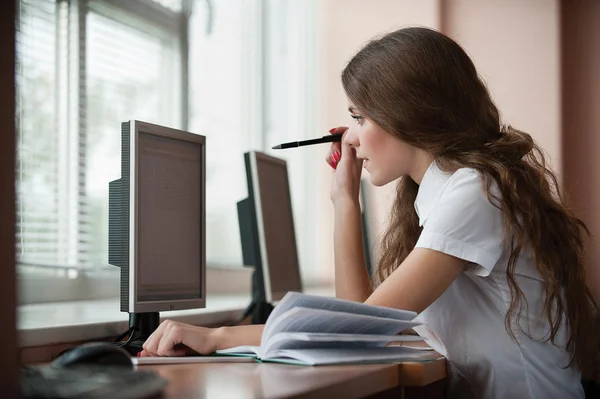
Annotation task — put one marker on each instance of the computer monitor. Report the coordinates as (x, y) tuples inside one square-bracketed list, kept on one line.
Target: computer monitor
[(157, 222), (267, 233)]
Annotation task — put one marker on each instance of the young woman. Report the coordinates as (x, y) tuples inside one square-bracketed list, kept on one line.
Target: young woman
[(479, 240)]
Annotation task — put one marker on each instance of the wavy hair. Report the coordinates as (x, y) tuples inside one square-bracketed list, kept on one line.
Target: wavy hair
[(420, 86)]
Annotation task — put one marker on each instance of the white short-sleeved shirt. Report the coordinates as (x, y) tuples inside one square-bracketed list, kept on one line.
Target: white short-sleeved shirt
[(467, 322)]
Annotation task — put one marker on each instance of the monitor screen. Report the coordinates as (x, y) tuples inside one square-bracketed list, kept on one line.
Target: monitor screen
[(276, 227), (168, 231)]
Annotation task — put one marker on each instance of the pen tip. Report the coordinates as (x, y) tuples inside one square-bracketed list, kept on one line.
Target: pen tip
[(276, 147)]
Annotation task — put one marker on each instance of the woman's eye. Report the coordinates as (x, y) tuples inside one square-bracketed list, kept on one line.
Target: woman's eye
[(357, 118)]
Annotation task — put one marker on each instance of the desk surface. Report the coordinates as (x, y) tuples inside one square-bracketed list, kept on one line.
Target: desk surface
[(268, 380)]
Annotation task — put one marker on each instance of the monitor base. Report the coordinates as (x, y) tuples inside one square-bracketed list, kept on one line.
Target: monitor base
[(141, 326), (134, 347), (144, 324)]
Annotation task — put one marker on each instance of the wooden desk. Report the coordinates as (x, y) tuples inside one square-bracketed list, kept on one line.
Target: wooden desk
[(269, 380)]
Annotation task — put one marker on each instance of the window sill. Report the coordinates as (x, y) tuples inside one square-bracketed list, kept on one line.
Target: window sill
[(60, 322), (76, 321)]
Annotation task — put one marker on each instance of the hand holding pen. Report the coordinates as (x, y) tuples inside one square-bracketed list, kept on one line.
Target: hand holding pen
[(335, 154), (346, 183)]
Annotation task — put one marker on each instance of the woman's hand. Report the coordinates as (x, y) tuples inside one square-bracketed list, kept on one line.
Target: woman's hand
[(172, 338), (345, 184)]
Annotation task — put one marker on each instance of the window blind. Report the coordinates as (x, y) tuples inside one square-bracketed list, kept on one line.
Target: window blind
[(83, 67), (133, 72), (38, 202)]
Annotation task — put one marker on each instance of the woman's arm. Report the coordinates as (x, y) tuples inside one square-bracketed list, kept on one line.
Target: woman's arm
[(351, 277), (423, 276), (228, 337)]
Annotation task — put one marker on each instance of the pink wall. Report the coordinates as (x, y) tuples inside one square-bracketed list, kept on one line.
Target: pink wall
[(581, 118), (515, 47)]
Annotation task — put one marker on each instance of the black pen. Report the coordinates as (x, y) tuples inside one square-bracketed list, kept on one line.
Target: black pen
[(325, 139)]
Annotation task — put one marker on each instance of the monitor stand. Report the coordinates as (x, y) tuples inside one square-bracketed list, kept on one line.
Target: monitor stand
[(258, 309), (141, 325), (261, 312), (262, 309)]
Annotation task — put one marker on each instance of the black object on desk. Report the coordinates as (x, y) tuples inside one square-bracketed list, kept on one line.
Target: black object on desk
[(92, 370), (89, 382), (95, 354)]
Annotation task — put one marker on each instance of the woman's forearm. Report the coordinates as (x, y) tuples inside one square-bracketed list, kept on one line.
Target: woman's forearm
[(228, 337), (351, 277)]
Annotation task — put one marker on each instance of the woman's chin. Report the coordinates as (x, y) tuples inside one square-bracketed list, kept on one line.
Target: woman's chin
[(377, 181), (380, 180)]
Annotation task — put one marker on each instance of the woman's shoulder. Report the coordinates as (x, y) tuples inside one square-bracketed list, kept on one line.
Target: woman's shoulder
[(470, 184), (458, 219), (450, 195)]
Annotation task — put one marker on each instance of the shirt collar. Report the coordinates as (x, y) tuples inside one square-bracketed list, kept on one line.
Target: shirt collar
[(430, 189)]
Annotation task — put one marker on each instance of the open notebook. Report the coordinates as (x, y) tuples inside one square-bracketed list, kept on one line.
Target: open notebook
[(313, 330)]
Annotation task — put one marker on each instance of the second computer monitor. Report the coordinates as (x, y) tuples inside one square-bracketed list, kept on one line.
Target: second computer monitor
[(267, 226)]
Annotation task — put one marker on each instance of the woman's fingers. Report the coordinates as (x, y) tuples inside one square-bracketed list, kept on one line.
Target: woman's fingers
[(335, 152), (329, 159), (333, 158), (348, 152), (336, 146), (338, 129), (172, 341), (151, 344), (172, 338), (164, 341)]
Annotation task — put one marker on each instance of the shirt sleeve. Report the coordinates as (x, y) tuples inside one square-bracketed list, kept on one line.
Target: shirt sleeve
[(465, 224)]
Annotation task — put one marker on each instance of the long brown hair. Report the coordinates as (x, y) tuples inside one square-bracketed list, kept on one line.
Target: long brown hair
[(420, 86)]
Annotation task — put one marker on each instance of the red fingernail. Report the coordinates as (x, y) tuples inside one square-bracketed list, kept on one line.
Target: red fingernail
[(337, 156), (330, 163), (331, 130), (139, 354)]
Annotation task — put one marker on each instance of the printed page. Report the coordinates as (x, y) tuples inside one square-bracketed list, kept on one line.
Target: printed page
[(327, 321), (296, 299), (244, 350), (316, 357), (300, 340)]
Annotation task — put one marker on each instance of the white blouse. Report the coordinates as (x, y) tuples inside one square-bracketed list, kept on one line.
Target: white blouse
[(466, 323)]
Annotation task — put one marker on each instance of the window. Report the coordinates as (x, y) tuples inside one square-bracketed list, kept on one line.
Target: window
[(84, 66), (254, 85)]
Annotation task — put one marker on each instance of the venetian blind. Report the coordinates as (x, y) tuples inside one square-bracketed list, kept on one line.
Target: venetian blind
[(83, 68)]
